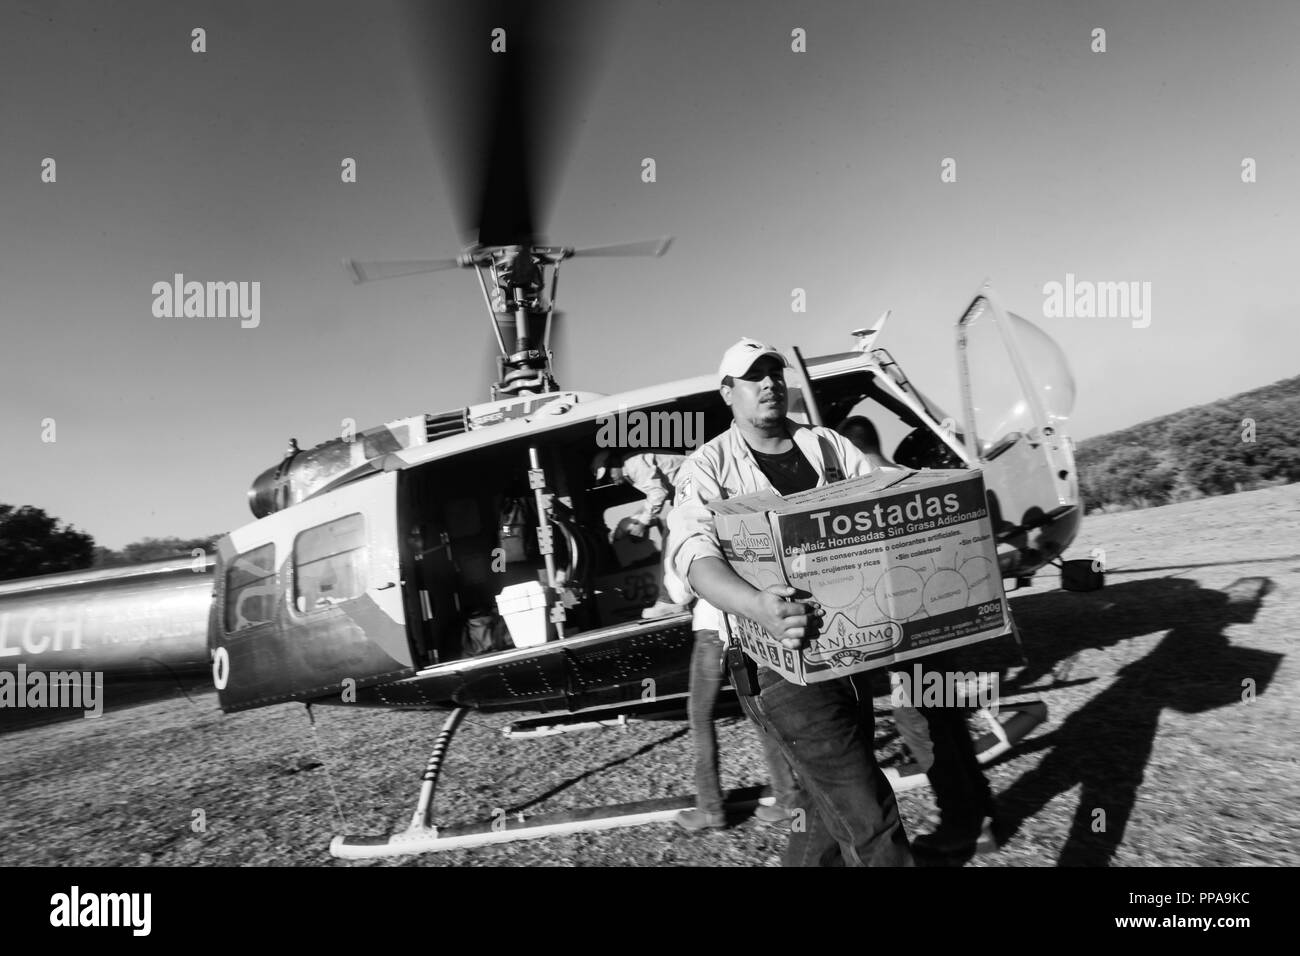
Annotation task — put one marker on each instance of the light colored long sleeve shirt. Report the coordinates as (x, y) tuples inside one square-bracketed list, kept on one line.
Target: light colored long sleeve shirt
[(653, 473), (725, 468)]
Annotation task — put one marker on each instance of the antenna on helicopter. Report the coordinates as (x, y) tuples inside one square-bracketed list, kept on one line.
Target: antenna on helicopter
[(866, 338), (531, 67)]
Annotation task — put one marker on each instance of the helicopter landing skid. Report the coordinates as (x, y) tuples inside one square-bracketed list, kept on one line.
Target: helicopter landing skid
[(505, 828), (599, 718), (422, 836)]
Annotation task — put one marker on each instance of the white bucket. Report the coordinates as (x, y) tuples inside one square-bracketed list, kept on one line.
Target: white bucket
[(523, 606)]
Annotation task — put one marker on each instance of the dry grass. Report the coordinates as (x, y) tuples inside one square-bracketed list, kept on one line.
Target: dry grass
[(1148, 726)]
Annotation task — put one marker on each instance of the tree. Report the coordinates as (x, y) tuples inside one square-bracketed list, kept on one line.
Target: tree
[(153, 549), (32, 542)]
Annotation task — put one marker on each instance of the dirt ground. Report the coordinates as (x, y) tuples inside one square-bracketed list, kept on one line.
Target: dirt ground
[(1170, 742)]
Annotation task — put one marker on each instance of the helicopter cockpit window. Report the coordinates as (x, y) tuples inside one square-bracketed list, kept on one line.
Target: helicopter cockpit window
[(250, 589), (330, 563)]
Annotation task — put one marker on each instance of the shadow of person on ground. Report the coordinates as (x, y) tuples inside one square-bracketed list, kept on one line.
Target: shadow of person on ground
[(1106, 743)]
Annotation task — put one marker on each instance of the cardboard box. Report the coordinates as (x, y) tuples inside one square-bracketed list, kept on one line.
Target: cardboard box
[(903, 563)]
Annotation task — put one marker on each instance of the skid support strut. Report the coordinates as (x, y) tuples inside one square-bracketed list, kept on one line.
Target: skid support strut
[(423, 818), (422, 828)]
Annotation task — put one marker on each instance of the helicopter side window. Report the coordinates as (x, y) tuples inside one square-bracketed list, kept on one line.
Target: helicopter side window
[(250, 589), (330, 563)]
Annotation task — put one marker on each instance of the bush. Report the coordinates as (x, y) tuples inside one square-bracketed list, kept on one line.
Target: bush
[(1251, 440)]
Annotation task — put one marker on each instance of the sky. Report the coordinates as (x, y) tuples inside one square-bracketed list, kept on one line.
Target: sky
[(820, 170)]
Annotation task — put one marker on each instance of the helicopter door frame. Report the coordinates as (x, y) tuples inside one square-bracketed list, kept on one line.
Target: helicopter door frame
[(888, 375), (899, 386), (808, 400)]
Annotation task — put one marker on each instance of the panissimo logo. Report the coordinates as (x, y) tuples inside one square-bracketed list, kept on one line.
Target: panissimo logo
[(844, 643), (76, 908), (750, 545), (1074, 299), (78, 690), (638, 429), (208, 300)]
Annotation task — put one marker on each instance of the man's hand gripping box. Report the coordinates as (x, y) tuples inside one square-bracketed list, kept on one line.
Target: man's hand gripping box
[(903, 563)]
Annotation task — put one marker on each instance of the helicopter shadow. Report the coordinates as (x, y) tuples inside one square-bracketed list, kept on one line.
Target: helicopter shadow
[(1105, 745), (595, 771)]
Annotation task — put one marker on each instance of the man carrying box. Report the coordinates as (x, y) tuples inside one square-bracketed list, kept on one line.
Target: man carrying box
[(825, 729), (938, 736)]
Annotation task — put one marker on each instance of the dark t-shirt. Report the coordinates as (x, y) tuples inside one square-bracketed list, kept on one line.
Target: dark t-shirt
[(788, 472)]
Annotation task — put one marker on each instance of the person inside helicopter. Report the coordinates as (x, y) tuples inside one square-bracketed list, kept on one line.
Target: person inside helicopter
[(651, 472), (859, 430)]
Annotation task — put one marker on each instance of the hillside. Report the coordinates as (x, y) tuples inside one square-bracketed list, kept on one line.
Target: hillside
[(1249, 440)]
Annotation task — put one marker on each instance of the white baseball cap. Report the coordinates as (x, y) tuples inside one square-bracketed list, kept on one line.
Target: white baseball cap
[(740, 358)]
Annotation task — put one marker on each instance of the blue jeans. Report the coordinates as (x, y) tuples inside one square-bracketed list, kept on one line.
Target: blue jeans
[(828, 734), (940, 740), (961, 790), (707, 674)]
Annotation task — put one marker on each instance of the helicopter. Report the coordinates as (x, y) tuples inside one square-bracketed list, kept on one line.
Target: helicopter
[(355, 585), (374, 556)]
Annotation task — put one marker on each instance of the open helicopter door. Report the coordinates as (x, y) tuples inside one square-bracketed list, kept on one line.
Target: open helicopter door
[(308, 601), (1017, 391)]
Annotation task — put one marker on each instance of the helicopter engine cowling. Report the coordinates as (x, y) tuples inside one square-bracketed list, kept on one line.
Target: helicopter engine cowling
[(298, 475), (302, 473)]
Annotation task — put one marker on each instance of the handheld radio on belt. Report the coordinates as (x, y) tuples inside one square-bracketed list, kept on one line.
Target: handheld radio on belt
[(743, 671)]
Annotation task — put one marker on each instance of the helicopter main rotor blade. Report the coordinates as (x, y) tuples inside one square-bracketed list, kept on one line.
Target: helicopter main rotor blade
[(503, 84), (393, 268), (646, 247)]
